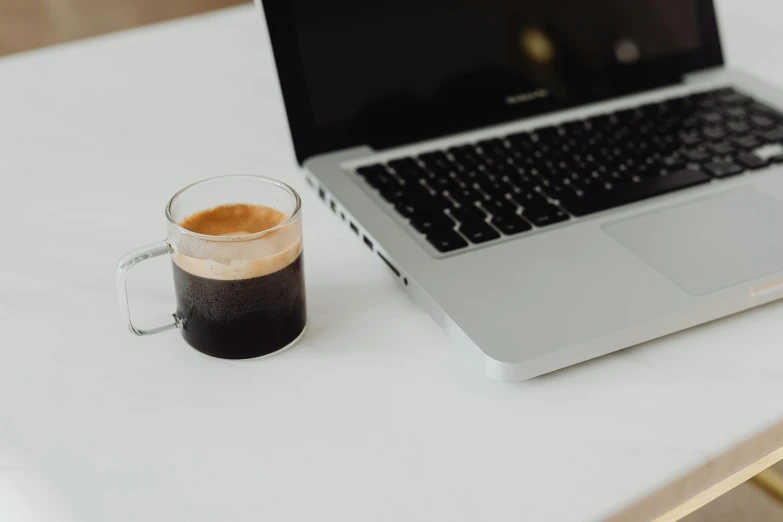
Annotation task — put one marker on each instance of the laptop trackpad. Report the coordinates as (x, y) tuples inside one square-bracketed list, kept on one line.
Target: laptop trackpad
[(709, 244)]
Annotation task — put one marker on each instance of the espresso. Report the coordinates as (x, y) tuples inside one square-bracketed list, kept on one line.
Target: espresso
[(238, 309)]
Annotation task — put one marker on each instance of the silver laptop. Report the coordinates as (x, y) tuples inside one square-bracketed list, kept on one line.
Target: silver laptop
[(552, 181)]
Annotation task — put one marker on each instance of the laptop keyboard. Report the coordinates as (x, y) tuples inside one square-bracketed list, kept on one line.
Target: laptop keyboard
[(510, 185)]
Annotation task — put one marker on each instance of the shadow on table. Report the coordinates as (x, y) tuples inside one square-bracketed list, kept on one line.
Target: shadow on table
[(338, 311)]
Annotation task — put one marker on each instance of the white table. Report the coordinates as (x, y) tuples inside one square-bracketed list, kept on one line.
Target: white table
[(374, 416)]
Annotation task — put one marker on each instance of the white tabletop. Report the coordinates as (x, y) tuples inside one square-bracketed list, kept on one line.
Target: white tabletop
[(375, 415)]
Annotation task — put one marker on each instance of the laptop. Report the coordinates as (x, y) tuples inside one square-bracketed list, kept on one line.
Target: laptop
[(551, 181)]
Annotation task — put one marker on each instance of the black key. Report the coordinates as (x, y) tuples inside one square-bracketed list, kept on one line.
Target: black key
[(418, 202), (468, 214), (673, 162), (665, 144), (446, 240), (499, 207), (690, 138), (589, 184), (735, 98), (712, 117), (644, 169), (762, 122), (478, 232), (697, 155), (427, 223), (737, 112), (413, 178), (440, 169), (392, 192), (738, 127), (433, 157), (555, 189), (721, 148), (647, 129), (776, 159), (404, 164), (497, 189), (495, 148), (603, 121), (549, 134), (553, 169), (418, 194), (747, 142), (531, 200), (438, 163), (372, 170), (691, 122), (575, 129), (521, 140), (465, 196), (751, 161), (466, 155), (408, 170), (630, 193), (408, 209), (379, 179), (723, 169), (628, 115), (504, 169), (708, 102), (775, 134), (523, 183), (714, 133), (511, 224), (613, 176), (468, 177), (441, 183), (545, 216)]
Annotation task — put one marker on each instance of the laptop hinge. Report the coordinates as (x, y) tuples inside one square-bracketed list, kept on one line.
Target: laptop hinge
[(704, 75)]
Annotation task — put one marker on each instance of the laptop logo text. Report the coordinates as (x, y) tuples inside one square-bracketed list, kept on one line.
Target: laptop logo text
[(525, 97)]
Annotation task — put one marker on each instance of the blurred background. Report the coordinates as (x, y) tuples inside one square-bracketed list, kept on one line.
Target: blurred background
[(31, 24)]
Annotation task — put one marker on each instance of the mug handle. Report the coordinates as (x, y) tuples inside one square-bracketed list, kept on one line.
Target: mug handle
[(124, 265)]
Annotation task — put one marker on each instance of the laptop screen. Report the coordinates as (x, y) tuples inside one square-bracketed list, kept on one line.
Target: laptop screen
[(390, 71), (356, 53)]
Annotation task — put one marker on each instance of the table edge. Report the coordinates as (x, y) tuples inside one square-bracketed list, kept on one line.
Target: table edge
[(708, 481)]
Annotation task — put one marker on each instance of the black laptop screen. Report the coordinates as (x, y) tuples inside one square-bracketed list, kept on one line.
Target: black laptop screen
[(375, 71), (357, 53)]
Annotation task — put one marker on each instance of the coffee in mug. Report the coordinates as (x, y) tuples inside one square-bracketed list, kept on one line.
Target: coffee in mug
[(236, 250)]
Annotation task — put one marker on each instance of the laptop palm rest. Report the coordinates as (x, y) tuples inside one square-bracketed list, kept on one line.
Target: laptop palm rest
[(709, 244)]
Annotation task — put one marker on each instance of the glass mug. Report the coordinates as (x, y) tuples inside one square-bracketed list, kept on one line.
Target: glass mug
[(236, 249)]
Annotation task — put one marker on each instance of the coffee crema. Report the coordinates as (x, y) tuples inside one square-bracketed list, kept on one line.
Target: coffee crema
[(242, 308), (238, 219)]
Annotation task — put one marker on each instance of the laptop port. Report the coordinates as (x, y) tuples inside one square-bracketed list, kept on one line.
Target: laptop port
[(391, 266), (355, 229), (368, 242)]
